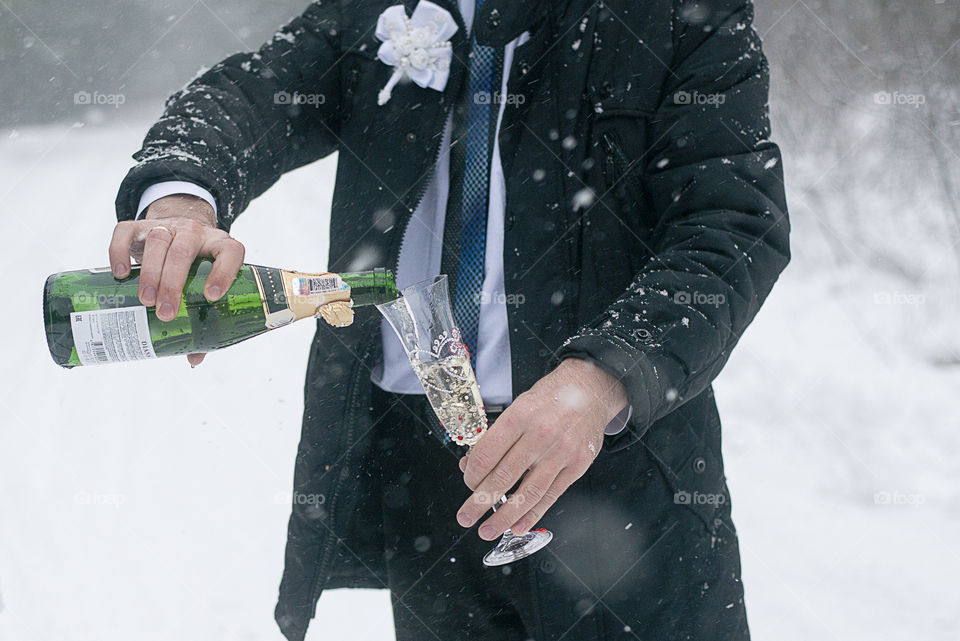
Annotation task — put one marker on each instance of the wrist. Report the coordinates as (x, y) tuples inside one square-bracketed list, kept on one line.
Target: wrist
[(182, 206), (606, 388)]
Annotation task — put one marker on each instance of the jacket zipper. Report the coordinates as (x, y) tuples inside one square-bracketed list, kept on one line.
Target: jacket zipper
[(397, 247), (615, 154), (420, 194), (332, 540)]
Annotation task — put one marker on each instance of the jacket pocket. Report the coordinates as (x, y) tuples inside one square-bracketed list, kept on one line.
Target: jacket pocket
[(690, 460), (620, 173), (619, 136)]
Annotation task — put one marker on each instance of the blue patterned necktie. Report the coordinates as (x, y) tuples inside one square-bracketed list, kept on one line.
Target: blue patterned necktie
[(471, 152)]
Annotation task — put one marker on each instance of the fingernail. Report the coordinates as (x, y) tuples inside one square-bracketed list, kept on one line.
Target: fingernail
[(213, 293), (464, 520), (150, 295), (166, 311), (487, 532), (119, 269)]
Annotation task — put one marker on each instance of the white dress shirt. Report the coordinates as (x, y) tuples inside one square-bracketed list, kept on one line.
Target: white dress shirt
[(419, 260)]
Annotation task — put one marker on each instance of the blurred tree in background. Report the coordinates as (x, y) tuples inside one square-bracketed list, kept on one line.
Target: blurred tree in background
[(866, 101), (865, 98), (52, 49)]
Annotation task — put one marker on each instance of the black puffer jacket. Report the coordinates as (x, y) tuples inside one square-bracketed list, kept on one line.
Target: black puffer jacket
[(646, 219)]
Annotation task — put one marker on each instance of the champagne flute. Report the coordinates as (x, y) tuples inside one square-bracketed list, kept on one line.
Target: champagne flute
[(423, 320)]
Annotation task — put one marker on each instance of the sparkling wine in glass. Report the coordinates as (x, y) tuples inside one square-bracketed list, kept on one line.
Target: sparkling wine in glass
[(423, 320)]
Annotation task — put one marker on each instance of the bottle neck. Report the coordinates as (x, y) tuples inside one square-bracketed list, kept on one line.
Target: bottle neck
[(371, 287)]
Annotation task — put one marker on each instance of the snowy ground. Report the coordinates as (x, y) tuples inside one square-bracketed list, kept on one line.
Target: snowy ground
[(148, 501)]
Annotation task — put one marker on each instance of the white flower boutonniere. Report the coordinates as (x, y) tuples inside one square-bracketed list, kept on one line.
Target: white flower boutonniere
[(417, 46)]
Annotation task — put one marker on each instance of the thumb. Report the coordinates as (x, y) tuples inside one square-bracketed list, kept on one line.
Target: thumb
[(195, 359)]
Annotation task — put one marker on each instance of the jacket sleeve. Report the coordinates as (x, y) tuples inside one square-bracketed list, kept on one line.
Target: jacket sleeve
[(237, 127), (716, 184)]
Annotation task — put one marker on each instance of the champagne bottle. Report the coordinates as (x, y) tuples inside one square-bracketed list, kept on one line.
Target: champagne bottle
[(91, 317)]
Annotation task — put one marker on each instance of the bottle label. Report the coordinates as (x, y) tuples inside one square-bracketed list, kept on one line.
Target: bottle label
[(317, 285), (306, 294), (112, 335)]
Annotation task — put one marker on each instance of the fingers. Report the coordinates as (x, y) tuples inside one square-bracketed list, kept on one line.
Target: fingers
[(167, 248), (490, 450), (155, 244), (507, 472), (560, 485), (195, 359), (228, 257), (181, 253), (534, 489), (123, 235)]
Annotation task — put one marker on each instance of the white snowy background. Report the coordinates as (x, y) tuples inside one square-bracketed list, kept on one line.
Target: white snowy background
[(149, 501)]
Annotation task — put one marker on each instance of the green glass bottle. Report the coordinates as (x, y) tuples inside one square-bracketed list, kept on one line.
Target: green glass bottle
[(90, 317)]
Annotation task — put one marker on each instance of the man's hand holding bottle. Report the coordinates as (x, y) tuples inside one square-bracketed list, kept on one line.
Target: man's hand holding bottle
[(174, 233)]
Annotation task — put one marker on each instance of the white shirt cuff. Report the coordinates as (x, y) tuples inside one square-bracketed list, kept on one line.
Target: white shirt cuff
[(619, 421), (157, 191)]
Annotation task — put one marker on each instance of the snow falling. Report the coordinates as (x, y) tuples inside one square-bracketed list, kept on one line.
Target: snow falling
[(840, 408)]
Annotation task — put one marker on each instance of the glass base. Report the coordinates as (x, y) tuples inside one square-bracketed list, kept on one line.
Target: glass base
[(513, 548)]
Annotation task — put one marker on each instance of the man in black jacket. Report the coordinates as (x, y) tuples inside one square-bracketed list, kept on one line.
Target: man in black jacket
[(636, 223)]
